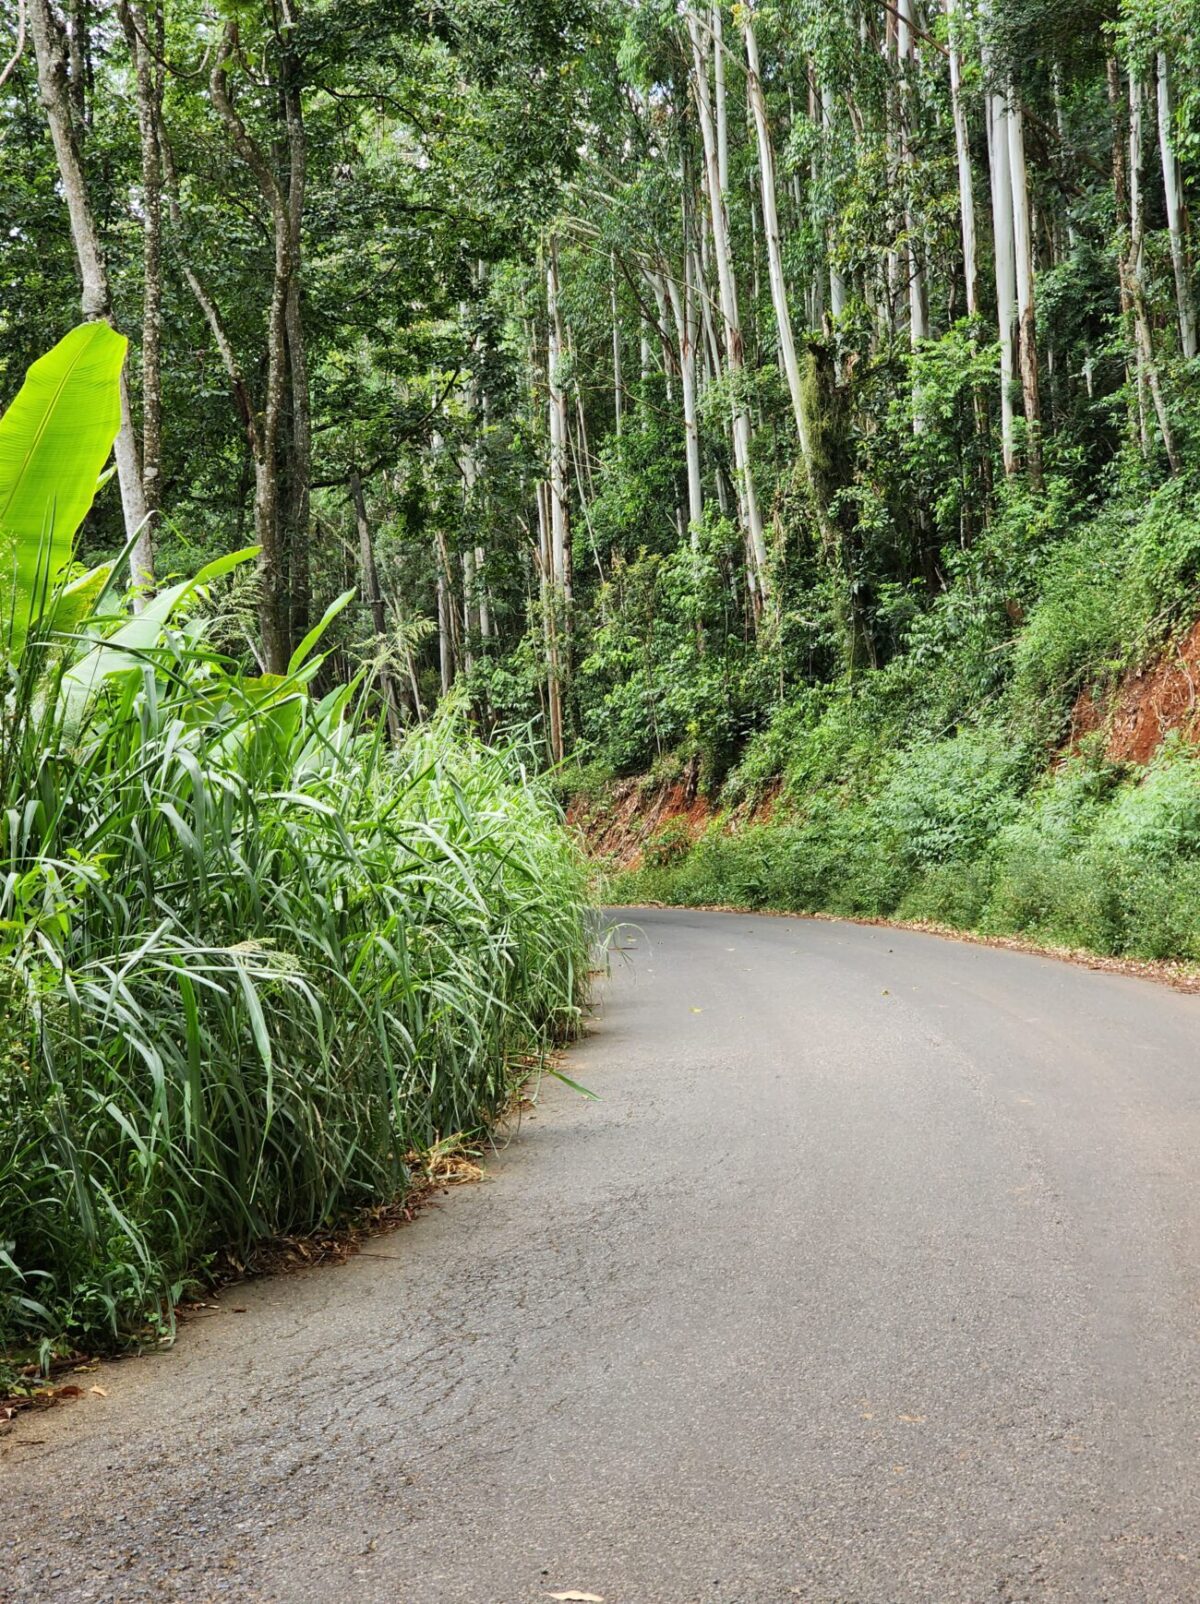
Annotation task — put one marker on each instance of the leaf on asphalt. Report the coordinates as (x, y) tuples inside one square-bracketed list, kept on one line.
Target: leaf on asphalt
[(577, 1598), (99, 1392)]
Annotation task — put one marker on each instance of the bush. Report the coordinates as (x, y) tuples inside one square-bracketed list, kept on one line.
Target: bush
[(668, 845), (243, 979), (250, 956)]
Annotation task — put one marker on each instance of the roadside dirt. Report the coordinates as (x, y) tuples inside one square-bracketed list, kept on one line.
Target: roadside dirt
[(618, 826), (1146, 704)]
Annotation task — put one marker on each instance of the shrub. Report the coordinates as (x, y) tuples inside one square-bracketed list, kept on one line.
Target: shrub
[(250, 956)]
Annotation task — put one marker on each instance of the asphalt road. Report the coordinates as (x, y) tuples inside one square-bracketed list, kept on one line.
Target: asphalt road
[(874, 1278)]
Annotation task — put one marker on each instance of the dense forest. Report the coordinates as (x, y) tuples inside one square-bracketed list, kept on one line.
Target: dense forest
[(794, 404), (756, 389)]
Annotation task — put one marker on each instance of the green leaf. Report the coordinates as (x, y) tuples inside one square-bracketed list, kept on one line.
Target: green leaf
[(54, 440), (75, 602), (318, 629), (126, 649)]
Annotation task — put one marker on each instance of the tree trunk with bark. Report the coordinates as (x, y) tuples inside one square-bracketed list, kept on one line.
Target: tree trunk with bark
[(1185, 300), (373, 596), (1026, 314), (1006, 273), (61, 93), (269, 520), (710, 123), (144, 35)]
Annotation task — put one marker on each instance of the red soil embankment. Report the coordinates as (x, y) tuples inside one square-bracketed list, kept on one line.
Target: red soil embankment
[(1147, 704), (617, 824)]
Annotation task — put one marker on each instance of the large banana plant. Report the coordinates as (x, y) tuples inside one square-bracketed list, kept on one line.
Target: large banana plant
[(54, 441)]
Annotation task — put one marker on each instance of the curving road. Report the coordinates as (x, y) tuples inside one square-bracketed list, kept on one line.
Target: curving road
[(874, 1278)]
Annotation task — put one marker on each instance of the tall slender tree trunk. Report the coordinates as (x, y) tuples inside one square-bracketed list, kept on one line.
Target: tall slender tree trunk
[(962, 150), (618, 388), (300, 461), (558, 553), (837, 284), (729, 306), (274, 620), (61, 95), (559, 503), (918, 313), (1185, 300), (1006, 273), (719, 99), (445, 630), (683, 304), (1119, 115), (1026, 314), (144, 35), (373, 597), (779, 295), (1135, 272), (554, 706)]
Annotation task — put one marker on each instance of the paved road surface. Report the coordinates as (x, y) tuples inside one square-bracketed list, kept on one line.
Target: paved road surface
[(873, 1279)]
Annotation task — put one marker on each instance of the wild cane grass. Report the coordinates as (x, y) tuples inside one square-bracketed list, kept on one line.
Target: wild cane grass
[(249, 959)]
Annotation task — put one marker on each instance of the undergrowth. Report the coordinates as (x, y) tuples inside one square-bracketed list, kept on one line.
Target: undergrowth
[(944, 786), (251, 954)]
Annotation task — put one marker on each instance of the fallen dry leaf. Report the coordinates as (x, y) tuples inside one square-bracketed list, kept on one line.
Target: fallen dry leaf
[(99, 1392), (577, 1598)]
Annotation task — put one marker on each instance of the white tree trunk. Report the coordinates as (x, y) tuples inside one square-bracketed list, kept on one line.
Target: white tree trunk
[(962, 147), (468, 622), (485, 612), (659, 291), (719, 96), (683, 304), (1006, 287), (1148, 377), (918, 318), (729, 306), (1026, 317), (779, 296), (48, 44), (1176, 213), (618, 392), (837, 284), (549, 624), (558, 430)]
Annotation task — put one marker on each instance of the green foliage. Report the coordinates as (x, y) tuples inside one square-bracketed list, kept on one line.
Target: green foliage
[(922, 790), (54, 439), (251, 958), (668, 845), (250, 962)]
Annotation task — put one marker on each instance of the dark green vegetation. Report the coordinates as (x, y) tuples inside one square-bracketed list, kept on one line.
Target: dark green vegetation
[(945, 786), (252, 958)]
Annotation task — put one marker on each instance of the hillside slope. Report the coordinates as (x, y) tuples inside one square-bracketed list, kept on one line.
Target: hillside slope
[(1030, 768)]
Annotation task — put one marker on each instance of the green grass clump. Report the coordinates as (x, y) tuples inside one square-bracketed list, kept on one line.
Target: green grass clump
[(250, 958)]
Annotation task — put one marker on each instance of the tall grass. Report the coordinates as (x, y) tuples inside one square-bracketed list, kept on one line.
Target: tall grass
[(249, 959), (250, 956)]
